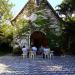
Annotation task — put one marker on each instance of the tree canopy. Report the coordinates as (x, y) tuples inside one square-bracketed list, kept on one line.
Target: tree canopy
[(5, 17), (5, 8), (67, 8), (6, 29)]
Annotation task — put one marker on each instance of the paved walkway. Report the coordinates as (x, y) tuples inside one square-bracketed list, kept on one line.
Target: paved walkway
[(15, 65)]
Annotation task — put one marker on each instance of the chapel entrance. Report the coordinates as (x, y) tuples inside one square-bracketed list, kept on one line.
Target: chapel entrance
[(38, 39)]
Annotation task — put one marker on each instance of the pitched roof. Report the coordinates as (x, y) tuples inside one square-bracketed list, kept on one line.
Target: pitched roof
[(49, 5)]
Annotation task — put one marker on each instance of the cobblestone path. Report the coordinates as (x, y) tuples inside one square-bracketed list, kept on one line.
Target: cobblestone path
[(15, 65)]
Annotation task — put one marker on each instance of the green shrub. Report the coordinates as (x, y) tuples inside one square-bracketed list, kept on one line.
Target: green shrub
[(5, 48), (17, 51)]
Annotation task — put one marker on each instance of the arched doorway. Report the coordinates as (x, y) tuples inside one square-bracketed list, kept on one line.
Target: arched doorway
[(38, 39)]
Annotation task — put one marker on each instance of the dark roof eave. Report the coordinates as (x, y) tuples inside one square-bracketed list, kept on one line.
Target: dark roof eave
[(19, 12), (60, 19)]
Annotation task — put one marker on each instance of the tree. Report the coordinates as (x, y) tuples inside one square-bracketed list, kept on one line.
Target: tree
[(5, 14), (6, 29), (67, 8)]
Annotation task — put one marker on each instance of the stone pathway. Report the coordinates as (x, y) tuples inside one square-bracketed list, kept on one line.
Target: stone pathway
[(15, 65)]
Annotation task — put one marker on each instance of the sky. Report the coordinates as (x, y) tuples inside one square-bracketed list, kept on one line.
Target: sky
[(20, 3)]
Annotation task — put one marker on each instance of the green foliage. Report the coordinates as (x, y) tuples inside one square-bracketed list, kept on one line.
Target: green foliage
[(71, 4), (17, 51), (21, 23), (21, 27), (42, 4), (30, 7), (5, 14), (73, 19), (6, 29), (6, 39), (41, 21), (39, 13), (44, 24), (67, 8), (53, 40), (5, 8)]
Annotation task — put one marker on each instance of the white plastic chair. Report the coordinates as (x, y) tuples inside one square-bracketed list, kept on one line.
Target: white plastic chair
[(24, 54), (51, 54), (32, 54), (48, 54)]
